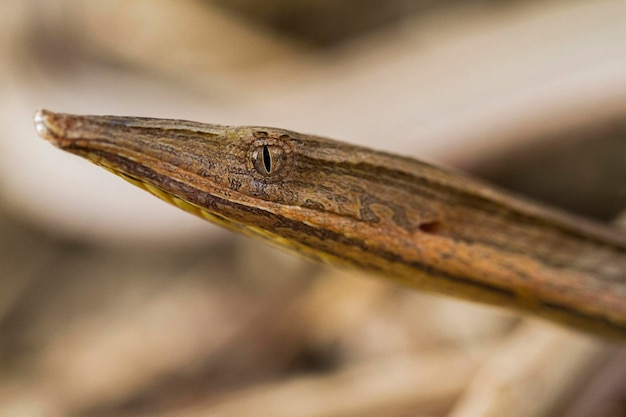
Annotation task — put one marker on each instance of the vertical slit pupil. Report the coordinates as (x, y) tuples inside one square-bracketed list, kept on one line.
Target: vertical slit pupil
[(267, 159)]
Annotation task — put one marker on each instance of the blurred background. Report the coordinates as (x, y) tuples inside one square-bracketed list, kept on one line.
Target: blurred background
[(113, 303)]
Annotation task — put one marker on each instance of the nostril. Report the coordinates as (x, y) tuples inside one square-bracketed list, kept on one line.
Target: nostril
[(432, 228)]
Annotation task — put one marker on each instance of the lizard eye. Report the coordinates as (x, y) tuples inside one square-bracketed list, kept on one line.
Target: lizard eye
[(269, 160)]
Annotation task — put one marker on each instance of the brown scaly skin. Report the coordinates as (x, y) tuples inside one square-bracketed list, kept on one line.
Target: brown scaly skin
[(427, 227)]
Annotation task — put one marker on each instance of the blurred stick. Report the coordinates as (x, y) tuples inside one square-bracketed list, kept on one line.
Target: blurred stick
[(534, 370), (425, 380), (602, 397), (189, 32)]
